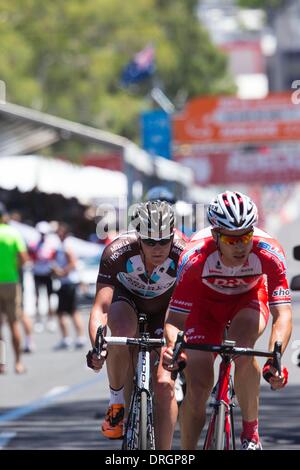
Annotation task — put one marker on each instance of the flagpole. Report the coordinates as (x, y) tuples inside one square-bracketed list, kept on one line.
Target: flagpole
[(162, 100)]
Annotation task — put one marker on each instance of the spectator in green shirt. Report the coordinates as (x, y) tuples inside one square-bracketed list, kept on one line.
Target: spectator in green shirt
[(13, 254)]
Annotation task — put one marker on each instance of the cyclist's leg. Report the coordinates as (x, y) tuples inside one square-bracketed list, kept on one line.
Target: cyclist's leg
[(122, 321), (166, 409), (199, 375), (205, 324), (246, 327)]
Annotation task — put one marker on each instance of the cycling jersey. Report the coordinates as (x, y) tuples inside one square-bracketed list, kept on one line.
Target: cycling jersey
[(122, 266), (206, 288)]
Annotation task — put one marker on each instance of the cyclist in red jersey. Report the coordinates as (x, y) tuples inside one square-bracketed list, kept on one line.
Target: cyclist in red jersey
[(233, 272)]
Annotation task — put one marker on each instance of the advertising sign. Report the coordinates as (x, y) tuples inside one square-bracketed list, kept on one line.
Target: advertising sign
[(229, 120)]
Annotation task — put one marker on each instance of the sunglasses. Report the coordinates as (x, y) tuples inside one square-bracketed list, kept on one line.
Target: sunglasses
[(234, 239), (151, 242)]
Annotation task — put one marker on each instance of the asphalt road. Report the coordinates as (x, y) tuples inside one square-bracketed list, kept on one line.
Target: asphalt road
[(59, 403)]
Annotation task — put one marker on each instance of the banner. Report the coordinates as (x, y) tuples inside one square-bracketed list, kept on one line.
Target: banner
[(265, 166), (220, 120)]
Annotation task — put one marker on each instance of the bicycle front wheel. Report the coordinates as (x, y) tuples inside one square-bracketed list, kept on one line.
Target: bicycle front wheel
[(220, 428), (143, 430)]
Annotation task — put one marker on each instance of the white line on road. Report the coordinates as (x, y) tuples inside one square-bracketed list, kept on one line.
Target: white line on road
[(56, 391), (52, 396)]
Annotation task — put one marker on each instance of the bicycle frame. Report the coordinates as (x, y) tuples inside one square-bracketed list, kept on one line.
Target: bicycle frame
[(142, 387), (220, 432), (139, 428), (223, 404)]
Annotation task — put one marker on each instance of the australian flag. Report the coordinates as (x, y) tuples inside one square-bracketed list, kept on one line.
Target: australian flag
[(141, 67)]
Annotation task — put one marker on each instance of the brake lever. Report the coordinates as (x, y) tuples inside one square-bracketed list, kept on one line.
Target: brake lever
[(277, 358), (176, 352), (99, 342)]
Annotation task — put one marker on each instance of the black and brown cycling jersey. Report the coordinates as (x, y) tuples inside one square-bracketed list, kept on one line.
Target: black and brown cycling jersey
[(122, 267)]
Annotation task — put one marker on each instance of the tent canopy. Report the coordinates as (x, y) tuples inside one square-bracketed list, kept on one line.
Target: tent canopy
[(55, 176)]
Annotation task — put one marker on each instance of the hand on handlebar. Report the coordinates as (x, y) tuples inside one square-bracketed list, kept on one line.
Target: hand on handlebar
[(167, 361), (271, 375), (94, 361), (95, 358)]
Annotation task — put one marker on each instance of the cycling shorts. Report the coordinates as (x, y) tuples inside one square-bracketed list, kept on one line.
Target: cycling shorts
[(207, 320), (155, 323)]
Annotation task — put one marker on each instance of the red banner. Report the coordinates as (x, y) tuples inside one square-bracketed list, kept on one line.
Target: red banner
[(231, 120), (265, 166)]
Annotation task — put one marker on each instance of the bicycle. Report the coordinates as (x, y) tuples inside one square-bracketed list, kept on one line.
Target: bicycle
[(220, 433), (139, 428)]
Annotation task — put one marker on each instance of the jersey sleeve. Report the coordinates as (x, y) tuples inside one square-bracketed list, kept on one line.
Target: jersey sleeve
[(274, 267), (107, 268), (184, 295)]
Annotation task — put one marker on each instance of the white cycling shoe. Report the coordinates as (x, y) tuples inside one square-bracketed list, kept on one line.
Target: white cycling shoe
[(251, 445)]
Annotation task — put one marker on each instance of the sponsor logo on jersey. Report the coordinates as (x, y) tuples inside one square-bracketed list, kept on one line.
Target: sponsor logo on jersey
[(107, 276), (231, 282), (120, 252), (192, 337), (187, 260), (274, 250), (143, 289), (117, 246), (281, 292), (190, 331)]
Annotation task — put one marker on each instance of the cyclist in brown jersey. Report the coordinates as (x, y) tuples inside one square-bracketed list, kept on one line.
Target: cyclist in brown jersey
[(137, 273)]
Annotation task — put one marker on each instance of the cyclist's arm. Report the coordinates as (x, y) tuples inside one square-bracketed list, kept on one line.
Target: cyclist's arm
[(281, 326), (174, 322), (98, 316)]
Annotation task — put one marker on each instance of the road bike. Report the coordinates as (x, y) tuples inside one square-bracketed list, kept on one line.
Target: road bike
[(220, 433), (139, 428)]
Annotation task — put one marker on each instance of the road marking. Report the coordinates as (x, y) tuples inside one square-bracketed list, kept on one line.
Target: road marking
[(52, 396), (5, 437), (56, 391)]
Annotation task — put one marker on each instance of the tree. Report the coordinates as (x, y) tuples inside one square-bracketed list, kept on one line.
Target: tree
[(66, 58)]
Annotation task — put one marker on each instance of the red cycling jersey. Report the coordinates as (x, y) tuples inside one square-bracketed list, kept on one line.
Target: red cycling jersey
[(210, 294)]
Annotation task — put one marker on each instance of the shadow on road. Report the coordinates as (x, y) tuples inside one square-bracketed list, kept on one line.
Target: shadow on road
[(76, 424)]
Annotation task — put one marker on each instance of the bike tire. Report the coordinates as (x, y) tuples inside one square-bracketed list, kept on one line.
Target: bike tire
[(143, 429), (129, 440), (220, 428)]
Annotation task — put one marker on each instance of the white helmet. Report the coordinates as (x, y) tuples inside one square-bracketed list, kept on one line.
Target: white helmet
[(232, 211), (154, 219)]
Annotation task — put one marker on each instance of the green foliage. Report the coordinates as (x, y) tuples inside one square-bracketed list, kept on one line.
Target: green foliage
[(65, 57), (264, 4)]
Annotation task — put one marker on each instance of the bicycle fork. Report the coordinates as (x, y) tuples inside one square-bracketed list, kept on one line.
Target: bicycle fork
[(221, 426), (140, 418)]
